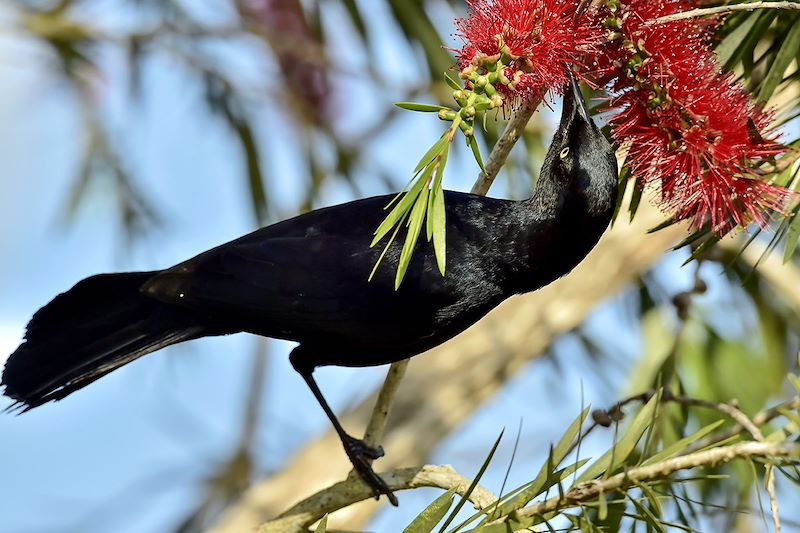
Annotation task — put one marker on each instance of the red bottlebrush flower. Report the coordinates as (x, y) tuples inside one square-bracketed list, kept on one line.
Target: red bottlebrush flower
[(690, 129), (541, 37)]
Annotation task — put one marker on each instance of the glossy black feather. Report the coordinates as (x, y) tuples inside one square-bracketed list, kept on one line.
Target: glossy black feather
[(100, 324)]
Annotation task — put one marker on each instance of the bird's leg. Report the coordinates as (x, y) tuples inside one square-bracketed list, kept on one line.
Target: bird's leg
[(359, 452)]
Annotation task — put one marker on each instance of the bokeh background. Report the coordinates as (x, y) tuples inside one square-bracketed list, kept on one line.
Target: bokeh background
[(137, 133)]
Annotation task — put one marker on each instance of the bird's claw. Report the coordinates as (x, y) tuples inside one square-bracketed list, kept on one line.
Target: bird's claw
[(361, 455), (354, 446)]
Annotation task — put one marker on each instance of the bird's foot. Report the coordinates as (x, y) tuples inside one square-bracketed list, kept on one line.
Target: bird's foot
[(361, 455)]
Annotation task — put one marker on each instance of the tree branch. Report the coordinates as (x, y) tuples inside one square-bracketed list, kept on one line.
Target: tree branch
[(373, 435), (706, 11), (759, 419), (346, 493), (606, 417), (728, 409), (503, 147), (588, 491)]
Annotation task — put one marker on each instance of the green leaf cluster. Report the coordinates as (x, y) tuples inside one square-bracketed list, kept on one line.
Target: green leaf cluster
[(420, 203), (553, 499)]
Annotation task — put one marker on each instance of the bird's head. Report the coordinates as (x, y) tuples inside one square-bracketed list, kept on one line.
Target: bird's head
[(580, 158)]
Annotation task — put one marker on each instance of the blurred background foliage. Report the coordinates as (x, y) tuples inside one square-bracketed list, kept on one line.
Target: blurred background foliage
[(333, 85)]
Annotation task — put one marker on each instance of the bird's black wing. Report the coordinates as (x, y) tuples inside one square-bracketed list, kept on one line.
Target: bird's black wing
[(312, 289)]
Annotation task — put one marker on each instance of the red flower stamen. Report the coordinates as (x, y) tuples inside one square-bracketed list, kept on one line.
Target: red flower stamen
[(538, 39)]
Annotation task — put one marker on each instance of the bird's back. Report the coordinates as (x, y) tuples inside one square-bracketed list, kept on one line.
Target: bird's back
[(306, 279)]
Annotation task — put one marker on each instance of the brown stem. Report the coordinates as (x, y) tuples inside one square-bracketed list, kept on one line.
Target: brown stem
[(705, 11), (503, 147), (373, 435), (351, 491), (590, 490)]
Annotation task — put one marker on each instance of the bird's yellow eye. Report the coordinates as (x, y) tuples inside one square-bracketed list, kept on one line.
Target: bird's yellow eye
[(564, 153)]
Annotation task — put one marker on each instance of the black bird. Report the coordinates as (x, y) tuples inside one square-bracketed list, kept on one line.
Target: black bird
[(305, 280)]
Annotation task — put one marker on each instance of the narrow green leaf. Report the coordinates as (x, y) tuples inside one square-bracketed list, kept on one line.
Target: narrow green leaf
[(385, 249), (648, 517), (438, 216), (754, 475), (620, 452), (432, 514), (745, 42), (423, 108), (731, 44), (452, 83), (678, 446), (622, 186), (565, 442), (415, 221), (663, 225), (693, 237), (401, 209), (636, 198), (652, 497), (792, 235), (440, 231), (429, 219), (505, 509), (703, 248), (783, 59), (474, 483), (432, 152), (400, 194), (548, 469), (476, 152), (322, 527), (615, 512), (602, 512), (438, 176)]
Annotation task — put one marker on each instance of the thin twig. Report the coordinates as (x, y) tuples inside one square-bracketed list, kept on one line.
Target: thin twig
[(759, 419), (605, 417), (769, 474), (705, 11), (725, 408), (351, 491), (373, 435), (588, 491), (503, 147)]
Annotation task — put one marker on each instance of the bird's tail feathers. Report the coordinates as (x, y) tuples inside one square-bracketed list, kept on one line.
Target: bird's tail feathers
[(99, 325)]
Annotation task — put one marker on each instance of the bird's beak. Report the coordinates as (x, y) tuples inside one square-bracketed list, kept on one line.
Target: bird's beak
[(573, 100)]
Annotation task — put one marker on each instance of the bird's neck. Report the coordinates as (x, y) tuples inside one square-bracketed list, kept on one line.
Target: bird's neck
[(563, 222)]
